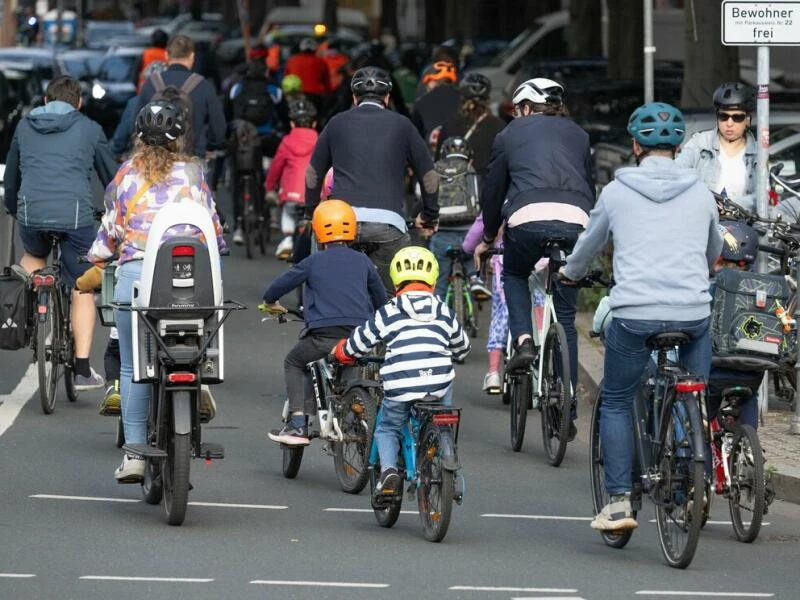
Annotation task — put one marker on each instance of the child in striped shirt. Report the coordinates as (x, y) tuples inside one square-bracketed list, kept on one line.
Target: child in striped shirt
[(422, 337)]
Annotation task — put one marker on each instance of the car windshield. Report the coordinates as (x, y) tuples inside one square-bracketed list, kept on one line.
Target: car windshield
[(513, 46), (117, 69), (97, 35)]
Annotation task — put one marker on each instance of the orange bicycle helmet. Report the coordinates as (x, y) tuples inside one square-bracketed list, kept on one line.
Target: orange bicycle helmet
[(334, 221), (440, 71)]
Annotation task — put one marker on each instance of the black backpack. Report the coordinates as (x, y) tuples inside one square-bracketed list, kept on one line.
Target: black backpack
[(253, 103), (458, 191), (15, 310), (245, 146), (181, 97)]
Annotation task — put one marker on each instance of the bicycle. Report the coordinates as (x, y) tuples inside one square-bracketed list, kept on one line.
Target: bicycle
[(669, 454), (346, 399), (428, 461), (458, 296), (53, 342), (255, 224), (552, 391)]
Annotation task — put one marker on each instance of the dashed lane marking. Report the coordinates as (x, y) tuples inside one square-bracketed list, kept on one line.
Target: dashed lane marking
[(134, 501), (230, 505), (366, 510), (723, 523), (525, 590), (150, 579), (535, 517), (704, 594), (17, 575), (330, 584)]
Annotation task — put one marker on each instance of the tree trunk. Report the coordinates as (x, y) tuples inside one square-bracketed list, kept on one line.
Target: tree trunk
[(460, 16), (626, 38), (507, 18), (329, 15), (708, 63), (434, 22), (388, 19), (586, 31)]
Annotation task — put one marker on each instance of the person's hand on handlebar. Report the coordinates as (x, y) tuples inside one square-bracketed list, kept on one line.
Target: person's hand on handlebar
[(563, 278), (272, 309), (428, 228), (338, 353), (482, 248)]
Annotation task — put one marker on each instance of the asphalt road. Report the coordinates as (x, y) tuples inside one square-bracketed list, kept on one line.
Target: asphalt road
[(68, 530)]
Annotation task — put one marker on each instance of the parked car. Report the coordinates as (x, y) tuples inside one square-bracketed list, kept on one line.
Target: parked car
[(113, 85), (21, 89), (169, 25), (83, 65), (97, 34)]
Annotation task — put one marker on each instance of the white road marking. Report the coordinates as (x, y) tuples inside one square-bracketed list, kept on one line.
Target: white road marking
[(86, 498), (152, 579), (332, 584), (724, 523), (11, 404), (228, 505), (548, 598), (366, 510), (482, 588), (535, 517), (706, 594), (17, 575)]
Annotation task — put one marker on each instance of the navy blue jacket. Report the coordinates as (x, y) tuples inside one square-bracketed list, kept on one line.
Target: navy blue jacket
[(207, 109), (538, 158), (343, 288), (53, 156)]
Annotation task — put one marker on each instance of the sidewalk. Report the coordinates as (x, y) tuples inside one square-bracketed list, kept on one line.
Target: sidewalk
[(780, 447)]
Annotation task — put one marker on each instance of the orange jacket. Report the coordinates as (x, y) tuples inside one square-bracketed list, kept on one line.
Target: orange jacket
[(150, 55), (335, 60), (312, 71)]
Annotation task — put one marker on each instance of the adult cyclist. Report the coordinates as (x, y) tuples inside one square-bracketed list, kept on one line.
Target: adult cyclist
[(541, 164), (370, 149)]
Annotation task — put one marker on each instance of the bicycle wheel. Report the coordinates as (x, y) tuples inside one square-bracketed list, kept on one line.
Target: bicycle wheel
[(175, 475), (249, 222), (120, 435), (69, 356), (47, 333), (437, 485), (746, 494), (458, 301), (507, 388), (599, 495), (556, 394), (356, 417), (152, 488), (470, 314), (679, 506), (292, 457), (386, 509), (519, 396)]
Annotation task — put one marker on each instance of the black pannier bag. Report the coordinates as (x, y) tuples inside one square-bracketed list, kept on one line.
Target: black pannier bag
[(15, 310)]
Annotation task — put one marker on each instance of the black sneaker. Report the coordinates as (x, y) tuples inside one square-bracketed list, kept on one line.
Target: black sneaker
[(389, 482), (522, 357), (289, 435), (573, 431)]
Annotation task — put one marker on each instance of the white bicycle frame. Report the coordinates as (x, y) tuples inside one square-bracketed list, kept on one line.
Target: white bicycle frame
[(329, 429), (540, 331)]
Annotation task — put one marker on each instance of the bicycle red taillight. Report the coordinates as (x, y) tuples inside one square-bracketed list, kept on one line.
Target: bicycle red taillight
[(44, 280), (181, 378), (690, 386), (183, 251), (446, 419)]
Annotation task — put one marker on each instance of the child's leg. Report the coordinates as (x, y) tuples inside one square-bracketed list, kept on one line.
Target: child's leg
[(498, 330), (393, 417), (288, 218)]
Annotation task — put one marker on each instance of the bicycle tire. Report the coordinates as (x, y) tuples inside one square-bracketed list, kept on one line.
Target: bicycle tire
[(152, 488), (247, 216), (507, 388), (175, 476), (458, 300), (292, 458), (120, 434), (519, 396), (556, 395), (47, 355), (387, 513), (437, 485), (747, 482), (679, 514), (69, 357), (351, 457), (597, 472)]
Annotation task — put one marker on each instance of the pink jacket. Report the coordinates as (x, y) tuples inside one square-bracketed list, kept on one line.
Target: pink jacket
[(287, 172)]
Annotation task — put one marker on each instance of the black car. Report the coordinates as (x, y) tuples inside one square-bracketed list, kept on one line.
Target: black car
[(112, 87)]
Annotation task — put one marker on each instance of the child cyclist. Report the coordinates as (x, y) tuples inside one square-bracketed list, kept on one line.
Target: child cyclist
[(342, 291), (422, 338)]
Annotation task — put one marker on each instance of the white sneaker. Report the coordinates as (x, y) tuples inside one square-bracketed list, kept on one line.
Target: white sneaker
[(284, 249), (238, 236), (492, 383), (131, 470)]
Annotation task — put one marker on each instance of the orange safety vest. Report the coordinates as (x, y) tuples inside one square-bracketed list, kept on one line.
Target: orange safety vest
[(150, 55)]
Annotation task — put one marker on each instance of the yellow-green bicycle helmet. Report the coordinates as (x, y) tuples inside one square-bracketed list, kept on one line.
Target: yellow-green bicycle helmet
[(414, 263)]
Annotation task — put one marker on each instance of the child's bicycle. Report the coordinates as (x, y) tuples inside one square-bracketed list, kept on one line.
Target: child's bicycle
[(428, 460), (458, 296), (346, 400)]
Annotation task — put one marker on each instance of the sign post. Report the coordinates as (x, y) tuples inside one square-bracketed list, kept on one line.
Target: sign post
[(763, 24)]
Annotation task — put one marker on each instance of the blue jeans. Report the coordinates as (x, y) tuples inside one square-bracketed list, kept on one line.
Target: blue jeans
[(440, 242), (135, 397), (392, 418), (523, 246), (626, 358)]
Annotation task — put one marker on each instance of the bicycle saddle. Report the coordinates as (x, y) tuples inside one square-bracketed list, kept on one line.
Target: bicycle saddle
[(454, 251), (668, 340), (740, 392)]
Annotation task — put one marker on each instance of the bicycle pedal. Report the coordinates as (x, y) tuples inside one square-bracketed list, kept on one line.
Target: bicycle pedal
[(210, 451), (411, 492)]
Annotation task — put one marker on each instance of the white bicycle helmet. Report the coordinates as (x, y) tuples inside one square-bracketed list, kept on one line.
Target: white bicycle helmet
[(539, 91)]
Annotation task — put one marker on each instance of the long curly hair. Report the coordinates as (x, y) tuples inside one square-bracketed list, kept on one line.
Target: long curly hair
[(155, 162), (473, 109)]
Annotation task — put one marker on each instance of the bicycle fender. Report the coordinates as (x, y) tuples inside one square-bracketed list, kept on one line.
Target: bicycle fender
[(182, 411), (698, 437), (449, 455), (363, 383)]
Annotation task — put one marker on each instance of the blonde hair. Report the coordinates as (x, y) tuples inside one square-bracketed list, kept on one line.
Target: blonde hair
[(155, 162)]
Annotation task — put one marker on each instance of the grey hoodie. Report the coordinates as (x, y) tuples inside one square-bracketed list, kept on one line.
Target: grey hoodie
[(52, 158), (664, 222)]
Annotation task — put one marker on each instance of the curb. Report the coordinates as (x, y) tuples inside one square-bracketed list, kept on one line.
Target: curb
[(590, 373)]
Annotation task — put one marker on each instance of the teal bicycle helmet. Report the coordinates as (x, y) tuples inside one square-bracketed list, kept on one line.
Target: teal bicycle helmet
[(657, 125)]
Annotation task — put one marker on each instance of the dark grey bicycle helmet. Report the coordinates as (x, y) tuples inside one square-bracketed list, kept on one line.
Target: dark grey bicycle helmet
[(307, 45), (476, 86), (159, 123), (739, 242), (371, 82), (456, 146), (302, 112), (735, 95)]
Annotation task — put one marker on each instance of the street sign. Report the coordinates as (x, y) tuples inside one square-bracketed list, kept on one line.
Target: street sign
[(760, 23)]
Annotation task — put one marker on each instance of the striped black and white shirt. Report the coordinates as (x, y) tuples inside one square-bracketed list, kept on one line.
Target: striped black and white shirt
[(422, 337)]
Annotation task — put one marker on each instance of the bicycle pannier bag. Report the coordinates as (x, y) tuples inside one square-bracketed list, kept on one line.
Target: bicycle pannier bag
[(458, 191), (15, 310), (745, 329)]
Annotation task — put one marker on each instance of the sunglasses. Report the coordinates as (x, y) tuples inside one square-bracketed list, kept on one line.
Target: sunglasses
[(722, 117)]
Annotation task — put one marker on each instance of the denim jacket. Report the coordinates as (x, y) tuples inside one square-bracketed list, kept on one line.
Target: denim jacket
[(701, 153)]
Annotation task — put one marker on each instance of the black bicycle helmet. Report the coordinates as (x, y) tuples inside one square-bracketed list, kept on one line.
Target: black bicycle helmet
[(456, 146), (735, 95), (475, 86), (371, 82), (159, 123), (302, 113), (739, 242)]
